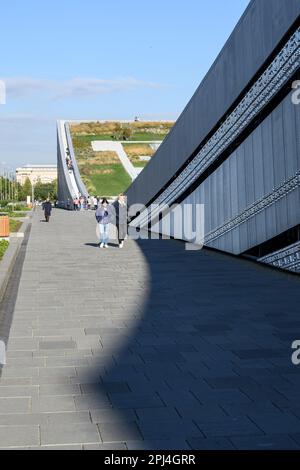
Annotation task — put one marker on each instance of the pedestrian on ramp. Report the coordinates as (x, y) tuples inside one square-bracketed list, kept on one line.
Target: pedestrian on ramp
[(47, 210), (104, 216)]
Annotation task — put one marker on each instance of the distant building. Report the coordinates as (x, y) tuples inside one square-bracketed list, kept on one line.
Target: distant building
[(37, 173)]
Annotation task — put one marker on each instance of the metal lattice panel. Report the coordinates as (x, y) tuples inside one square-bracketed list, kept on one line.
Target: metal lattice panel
[(288, 258), (266, 87)]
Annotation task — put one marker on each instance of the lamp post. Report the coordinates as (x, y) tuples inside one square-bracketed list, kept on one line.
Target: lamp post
[(33, 181)]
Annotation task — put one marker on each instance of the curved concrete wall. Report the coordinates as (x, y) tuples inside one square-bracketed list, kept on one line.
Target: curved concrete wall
[(80, 184), (69, 186)]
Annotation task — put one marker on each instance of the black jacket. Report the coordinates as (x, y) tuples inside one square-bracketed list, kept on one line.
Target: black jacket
[(121, 214), (47, 208)]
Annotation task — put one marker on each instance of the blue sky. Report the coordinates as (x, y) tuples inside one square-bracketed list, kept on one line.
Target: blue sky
[(94, 59)]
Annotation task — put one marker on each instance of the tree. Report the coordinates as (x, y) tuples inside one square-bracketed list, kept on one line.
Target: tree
[(27, 189), (117, 132), (127, 133), (44, 190)]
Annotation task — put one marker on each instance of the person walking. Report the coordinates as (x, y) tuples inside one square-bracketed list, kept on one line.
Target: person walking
[(104, 215), (121, 218), (47, 209)]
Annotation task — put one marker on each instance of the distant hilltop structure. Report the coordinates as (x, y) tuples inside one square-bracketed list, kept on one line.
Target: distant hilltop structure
[(41, 173)]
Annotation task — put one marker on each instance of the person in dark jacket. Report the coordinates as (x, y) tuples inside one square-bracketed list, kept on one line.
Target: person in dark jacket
[(121, 219), (47, 210), (104, 216)]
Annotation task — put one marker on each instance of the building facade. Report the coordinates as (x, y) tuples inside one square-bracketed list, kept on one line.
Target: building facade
[(37, 173), (235, 150)]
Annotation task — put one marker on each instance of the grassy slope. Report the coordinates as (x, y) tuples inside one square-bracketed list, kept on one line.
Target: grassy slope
[(112, 179), (134, 151), (112, 183), (81, 141)]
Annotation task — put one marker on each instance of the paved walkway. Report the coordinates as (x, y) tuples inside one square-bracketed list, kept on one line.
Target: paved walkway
[(150, 347)]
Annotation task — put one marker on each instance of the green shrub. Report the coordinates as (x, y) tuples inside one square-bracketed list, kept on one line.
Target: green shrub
[(3, 247), (14, 225), (21, 207), (18, 214)]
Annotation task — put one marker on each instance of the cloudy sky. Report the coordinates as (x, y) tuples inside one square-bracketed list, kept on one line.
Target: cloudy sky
[(94, 59)]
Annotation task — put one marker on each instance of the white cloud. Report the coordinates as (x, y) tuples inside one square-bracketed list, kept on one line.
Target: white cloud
[(22, 87), (13, 119)]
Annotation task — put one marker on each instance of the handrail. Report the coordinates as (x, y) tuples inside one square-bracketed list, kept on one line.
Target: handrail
[(81, 186), (70, 186)]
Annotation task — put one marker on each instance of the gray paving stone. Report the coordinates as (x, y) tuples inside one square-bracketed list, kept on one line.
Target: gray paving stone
[(18, 391), (27, 362), (13, 382), (171, 429), (50, 404), (65, 434), (59, 390), (236, 410), (230, 382), (135, 401), (261, 353), (14, 405), (276, 423), (91, 402), (200, 412), (52, 380), (102, 388), (102, 331), (68, 361), (221, 397), (210, 373), (119, 432), (61, 372), (112, 415), (14, 436), (157, 414), (57, 344), (22, 345), (23, 419), (104, 447), (19, 372), (60, 448), (210, 444), (68, 418), (229, 427), (265, 443), (156, 445)]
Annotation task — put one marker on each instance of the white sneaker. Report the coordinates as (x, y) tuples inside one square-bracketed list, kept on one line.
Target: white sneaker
[(102, 245), (121, 245), (106, 246)]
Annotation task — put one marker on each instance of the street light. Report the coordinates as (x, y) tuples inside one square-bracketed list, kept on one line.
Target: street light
[(7, 189), (33, 181)]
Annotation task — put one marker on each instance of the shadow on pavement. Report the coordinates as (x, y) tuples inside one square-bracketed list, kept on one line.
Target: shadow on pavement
[(207, 366)]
